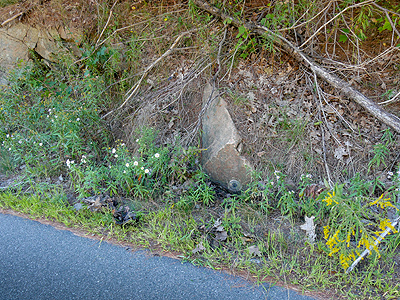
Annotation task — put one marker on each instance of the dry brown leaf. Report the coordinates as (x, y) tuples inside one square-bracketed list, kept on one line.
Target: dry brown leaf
[(199, 248)]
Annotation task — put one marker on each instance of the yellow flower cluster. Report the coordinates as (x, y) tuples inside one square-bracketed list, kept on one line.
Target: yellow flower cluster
[(332, 242), (383, 202), (347, 258), (368, 242), (326, 231), (330, 198), (385, 223)]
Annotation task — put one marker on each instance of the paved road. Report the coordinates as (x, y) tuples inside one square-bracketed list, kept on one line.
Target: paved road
[(39, 262)]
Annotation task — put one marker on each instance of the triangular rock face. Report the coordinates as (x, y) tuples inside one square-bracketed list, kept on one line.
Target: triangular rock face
[(17, 40), (221, 160)]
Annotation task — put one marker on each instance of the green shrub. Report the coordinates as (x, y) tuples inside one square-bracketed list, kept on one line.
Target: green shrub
[(48, 118)]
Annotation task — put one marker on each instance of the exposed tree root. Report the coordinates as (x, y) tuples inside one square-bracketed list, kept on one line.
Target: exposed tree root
[(375, 110)]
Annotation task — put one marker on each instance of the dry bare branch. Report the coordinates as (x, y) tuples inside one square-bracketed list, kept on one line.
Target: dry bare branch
[(12, 18), (133, 90), (375, 110), (108, 21), (339, 14)]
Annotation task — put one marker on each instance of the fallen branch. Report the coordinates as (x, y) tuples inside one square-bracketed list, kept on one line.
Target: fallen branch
[(375, 110)]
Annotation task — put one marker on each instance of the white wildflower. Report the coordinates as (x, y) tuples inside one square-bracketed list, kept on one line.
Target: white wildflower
[(116, 155), (127, 165), (113, 151), (135, 163), (124, 172), (142, 168), (40, 144), (78, 119), (146, 171), (83, 159), (69, 163), (137, 140), (157, 155)]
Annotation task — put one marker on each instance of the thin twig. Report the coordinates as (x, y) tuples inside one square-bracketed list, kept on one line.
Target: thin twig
[(390, 100), (133, 25), (233, 59), (210, 98), (322, 132), (12, 18), (386, 10), (324, 25), (133, 90), (108, 20), (337, 113), (308, 21), (184, 86), (393, 25)]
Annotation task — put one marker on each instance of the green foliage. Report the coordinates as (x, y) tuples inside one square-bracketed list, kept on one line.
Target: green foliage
[(47, 119), (346, 231), (381, 150), (123, 173), (4, 3)]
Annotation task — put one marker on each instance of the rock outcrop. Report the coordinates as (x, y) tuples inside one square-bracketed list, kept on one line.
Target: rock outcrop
[(18, 40), (221, 160)]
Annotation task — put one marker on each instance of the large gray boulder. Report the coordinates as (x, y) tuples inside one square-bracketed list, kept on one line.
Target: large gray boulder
[(221, 160)]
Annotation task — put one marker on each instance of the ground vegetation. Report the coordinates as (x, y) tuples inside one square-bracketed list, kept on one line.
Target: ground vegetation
[(109, 142)]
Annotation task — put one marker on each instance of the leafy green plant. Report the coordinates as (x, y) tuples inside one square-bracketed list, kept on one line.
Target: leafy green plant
[(381, 151), (201, 190), (346, 231), (44, 122), (286, 202), (246, 44), (123, 173), (260, 193)]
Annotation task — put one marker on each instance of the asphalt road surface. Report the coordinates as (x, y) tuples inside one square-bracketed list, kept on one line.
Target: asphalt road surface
[(39, 262)]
